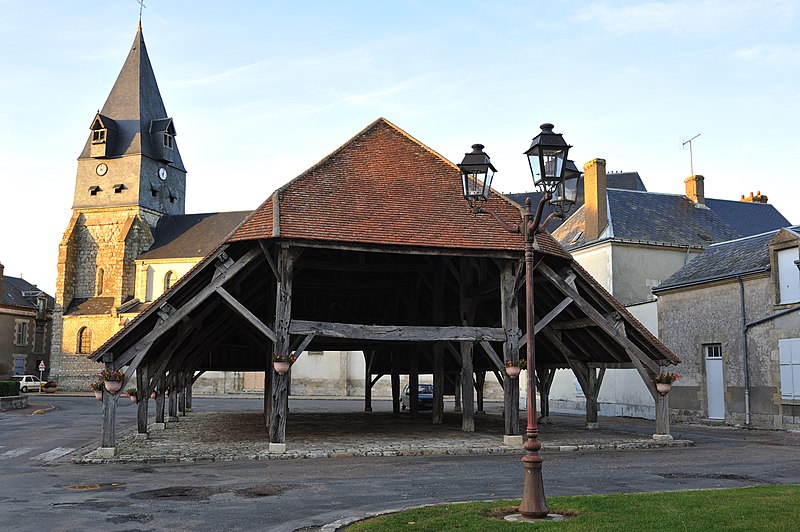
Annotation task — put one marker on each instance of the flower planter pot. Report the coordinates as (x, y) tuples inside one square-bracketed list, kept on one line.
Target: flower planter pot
[(98, 394), (50, 389), (112, 386), (513, 371), (663, 388), (281, 367)]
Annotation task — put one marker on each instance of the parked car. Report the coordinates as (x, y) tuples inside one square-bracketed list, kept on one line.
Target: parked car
[(28, 382), (425, 397)]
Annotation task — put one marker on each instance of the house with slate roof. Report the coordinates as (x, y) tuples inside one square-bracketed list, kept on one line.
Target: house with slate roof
[(631, 240), (26, 315), (733, 316)]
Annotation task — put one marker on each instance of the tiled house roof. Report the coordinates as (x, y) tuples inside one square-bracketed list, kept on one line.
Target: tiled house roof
[(724, 261), (383, 187)]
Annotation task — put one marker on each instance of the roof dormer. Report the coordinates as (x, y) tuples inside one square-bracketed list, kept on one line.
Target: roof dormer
[(103, 129), (162, 137)]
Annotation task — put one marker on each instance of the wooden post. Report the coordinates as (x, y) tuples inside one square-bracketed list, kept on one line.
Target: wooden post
[(268, 372), (438, 347), (546, 377), (591, 400), (173, 399), (395, 385), (283, 316), (189, 384), (510, 318), (369, 356), (457, 394), (413, 382), (160, 402), (144, 399), (467, 310), (108, 438), (480, 382), (662, 417), (181, 394)]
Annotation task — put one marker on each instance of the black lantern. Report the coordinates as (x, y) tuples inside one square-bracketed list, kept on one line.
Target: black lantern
[(547, 157), (566, 192), (476, 174)]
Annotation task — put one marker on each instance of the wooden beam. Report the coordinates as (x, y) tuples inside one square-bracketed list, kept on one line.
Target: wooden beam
[(632, 350), (550, 316), (268, 256), (176, 316), (493, 355), (303, 345), (397, 333), (244, 312)]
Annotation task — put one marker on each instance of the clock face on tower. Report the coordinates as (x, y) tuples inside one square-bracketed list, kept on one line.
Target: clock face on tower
[(101, 169), (162, 174)]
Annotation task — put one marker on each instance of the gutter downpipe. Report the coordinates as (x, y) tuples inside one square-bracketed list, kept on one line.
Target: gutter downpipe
[(744, 354)]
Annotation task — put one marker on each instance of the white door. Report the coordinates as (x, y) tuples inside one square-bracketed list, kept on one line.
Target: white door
[(715, 386)]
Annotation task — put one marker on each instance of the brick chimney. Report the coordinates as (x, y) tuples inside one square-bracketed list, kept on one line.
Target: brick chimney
[(758, 198), (695, 189), (595, 205)]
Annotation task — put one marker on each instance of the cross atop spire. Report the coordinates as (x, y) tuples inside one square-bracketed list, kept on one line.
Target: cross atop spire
[(141, 6)]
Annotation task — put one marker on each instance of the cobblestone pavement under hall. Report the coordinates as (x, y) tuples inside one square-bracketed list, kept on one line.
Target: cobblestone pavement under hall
[(240, 435)]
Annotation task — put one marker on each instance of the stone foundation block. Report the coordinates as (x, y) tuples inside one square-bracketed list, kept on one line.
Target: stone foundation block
[(513, 441), (106, 452), (277, 447)]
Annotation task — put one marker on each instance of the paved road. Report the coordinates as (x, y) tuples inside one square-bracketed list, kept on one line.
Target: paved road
[(301, 494)]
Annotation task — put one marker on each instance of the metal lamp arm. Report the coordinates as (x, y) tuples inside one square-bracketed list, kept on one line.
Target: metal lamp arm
[(508, 227)]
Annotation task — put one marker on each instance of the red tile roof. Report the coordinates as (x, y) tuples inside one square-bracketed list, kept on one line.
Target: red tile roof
[(384, 187)]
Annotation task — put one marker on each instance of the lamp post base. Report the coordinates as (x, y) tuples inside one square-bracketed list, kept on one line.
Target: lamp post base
[(533, 503)]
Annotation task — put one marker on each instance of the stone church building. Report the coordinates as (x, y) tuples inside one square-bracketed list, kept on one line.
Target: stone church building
[(129, 240)]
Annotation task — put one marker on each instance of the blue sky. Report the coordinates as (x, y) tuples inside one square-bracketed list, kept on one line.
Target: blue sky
[(262, 90)]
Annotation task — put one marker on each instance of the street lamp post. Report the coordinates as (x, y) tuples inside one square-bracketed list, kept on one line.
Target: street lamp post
[(557, 178)]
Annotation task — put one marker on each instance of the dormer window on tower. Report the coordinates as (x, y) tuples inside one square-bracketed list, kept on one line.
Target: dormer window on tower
[(101, 136), (162, 137)]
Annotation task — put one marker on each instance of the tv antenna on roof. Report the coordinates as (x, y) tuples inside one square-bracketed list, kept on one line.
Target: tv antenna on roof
[(691, 158)]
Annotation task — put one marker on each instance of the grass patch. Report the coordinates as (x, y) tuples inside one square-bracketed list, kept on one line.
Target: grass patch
[(757, 508)]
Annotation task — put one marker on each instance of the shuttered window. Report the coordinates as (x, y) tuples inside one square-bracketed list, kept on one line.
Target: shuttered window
[(790, 368)]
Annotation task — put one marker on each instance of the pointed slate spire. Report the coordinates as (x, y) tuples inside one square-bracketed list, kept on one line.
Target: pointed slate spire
[(137, 110)]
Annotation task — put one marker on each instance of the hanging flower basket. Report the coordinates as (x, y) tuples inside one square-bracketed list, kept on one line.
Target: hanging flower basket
[(513, 368), (131, 392), (282, 363), (97, 388), (112, 380), (663, 382)]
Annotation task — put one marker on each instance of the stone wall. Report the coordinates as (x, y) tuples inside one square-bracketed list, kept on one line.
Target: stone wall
[(711, 314)]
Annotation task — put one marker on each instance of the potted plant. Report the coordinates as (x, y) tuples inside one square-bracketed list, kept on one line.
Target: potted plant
[(663, 382), (50, 387), (513, 368), (282, 363), (97, 388), (112, 380), (131, 393)]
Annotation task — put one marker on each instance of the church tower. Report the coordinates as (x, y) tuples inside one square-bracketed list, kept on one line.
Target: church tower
[(130, 174)]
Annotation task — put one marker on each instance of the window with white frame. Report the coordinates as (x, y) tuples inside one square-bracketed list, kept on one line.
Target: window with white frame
[(788, 276), (713, 350), (21, 332), (790, 368)]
